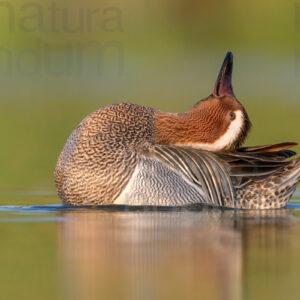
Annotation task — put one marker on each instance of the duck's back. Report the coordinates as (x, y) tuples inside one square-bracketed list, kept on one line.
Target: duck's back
[(100, 155)]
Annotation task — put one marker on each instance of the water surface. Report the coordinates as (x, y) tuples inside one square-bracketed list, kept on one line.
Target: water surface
[(48, 251)]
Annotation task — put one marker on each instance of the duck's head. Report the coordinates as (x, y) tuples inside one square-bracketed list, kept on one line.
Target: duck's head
[(216, 123)]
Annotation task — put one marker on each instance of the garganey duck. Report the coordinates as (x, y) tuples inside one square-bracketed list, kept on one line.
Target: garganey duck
[(127, 154)]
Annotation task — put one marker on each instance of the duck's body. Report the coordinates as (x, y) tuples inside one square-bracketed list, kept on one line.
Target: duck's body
[(134, 155), (113, 157)]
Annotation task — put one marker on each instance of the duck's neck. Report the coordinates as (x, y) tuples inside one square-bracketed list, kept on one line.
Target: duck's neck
[(185, 128)]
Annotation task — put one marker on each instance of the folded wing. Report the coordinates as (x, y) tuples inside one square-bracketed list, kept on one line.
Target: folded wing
[(220, 174), (199, 167)]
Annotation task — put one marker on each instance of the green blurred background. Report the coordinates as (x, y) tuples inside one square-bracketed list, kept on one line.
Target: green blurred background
[(61, 60)]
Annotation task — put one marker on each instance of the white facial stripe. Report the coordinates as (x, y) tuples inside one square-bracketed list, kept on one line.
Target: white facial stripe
[(226, 140)]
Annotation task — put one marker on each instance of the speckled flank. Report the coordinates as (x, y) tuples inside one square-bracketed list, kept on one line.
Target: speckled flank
[(100, 155), (272, 192)]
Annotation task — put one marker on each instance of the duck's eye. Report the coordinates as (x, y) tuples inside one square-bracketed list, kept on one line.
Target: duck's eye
[(232, 115)]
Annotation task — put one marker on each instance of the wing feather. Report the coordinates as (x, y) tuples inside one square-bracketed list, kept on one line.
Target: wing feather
[(219, 174), (200, 167), (270, 148)]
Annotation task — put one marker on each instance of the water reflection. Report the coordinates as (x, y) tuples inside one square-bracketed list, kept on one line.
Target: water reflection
[(164, 254)]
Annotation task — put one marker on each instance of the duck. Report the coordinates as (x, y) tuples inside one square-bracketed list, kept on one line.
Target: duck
[(133, 155)]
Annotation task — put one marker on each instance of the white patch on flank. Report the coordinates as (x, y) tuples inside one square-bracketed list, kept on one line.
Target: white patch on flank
[(226, 140), (124, 198)]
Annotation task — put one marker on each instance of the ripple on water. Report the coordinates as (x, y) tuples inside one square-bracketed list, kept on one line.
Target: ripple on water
[(50, 212)]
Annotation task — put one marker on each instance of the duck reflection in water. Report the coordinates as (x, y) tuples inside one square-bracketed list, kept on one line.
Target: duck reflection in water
[(173, 254)]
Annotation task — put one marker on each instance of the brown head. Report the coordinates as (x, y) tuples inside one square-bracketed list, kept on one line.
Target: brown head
[(216, 123)]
